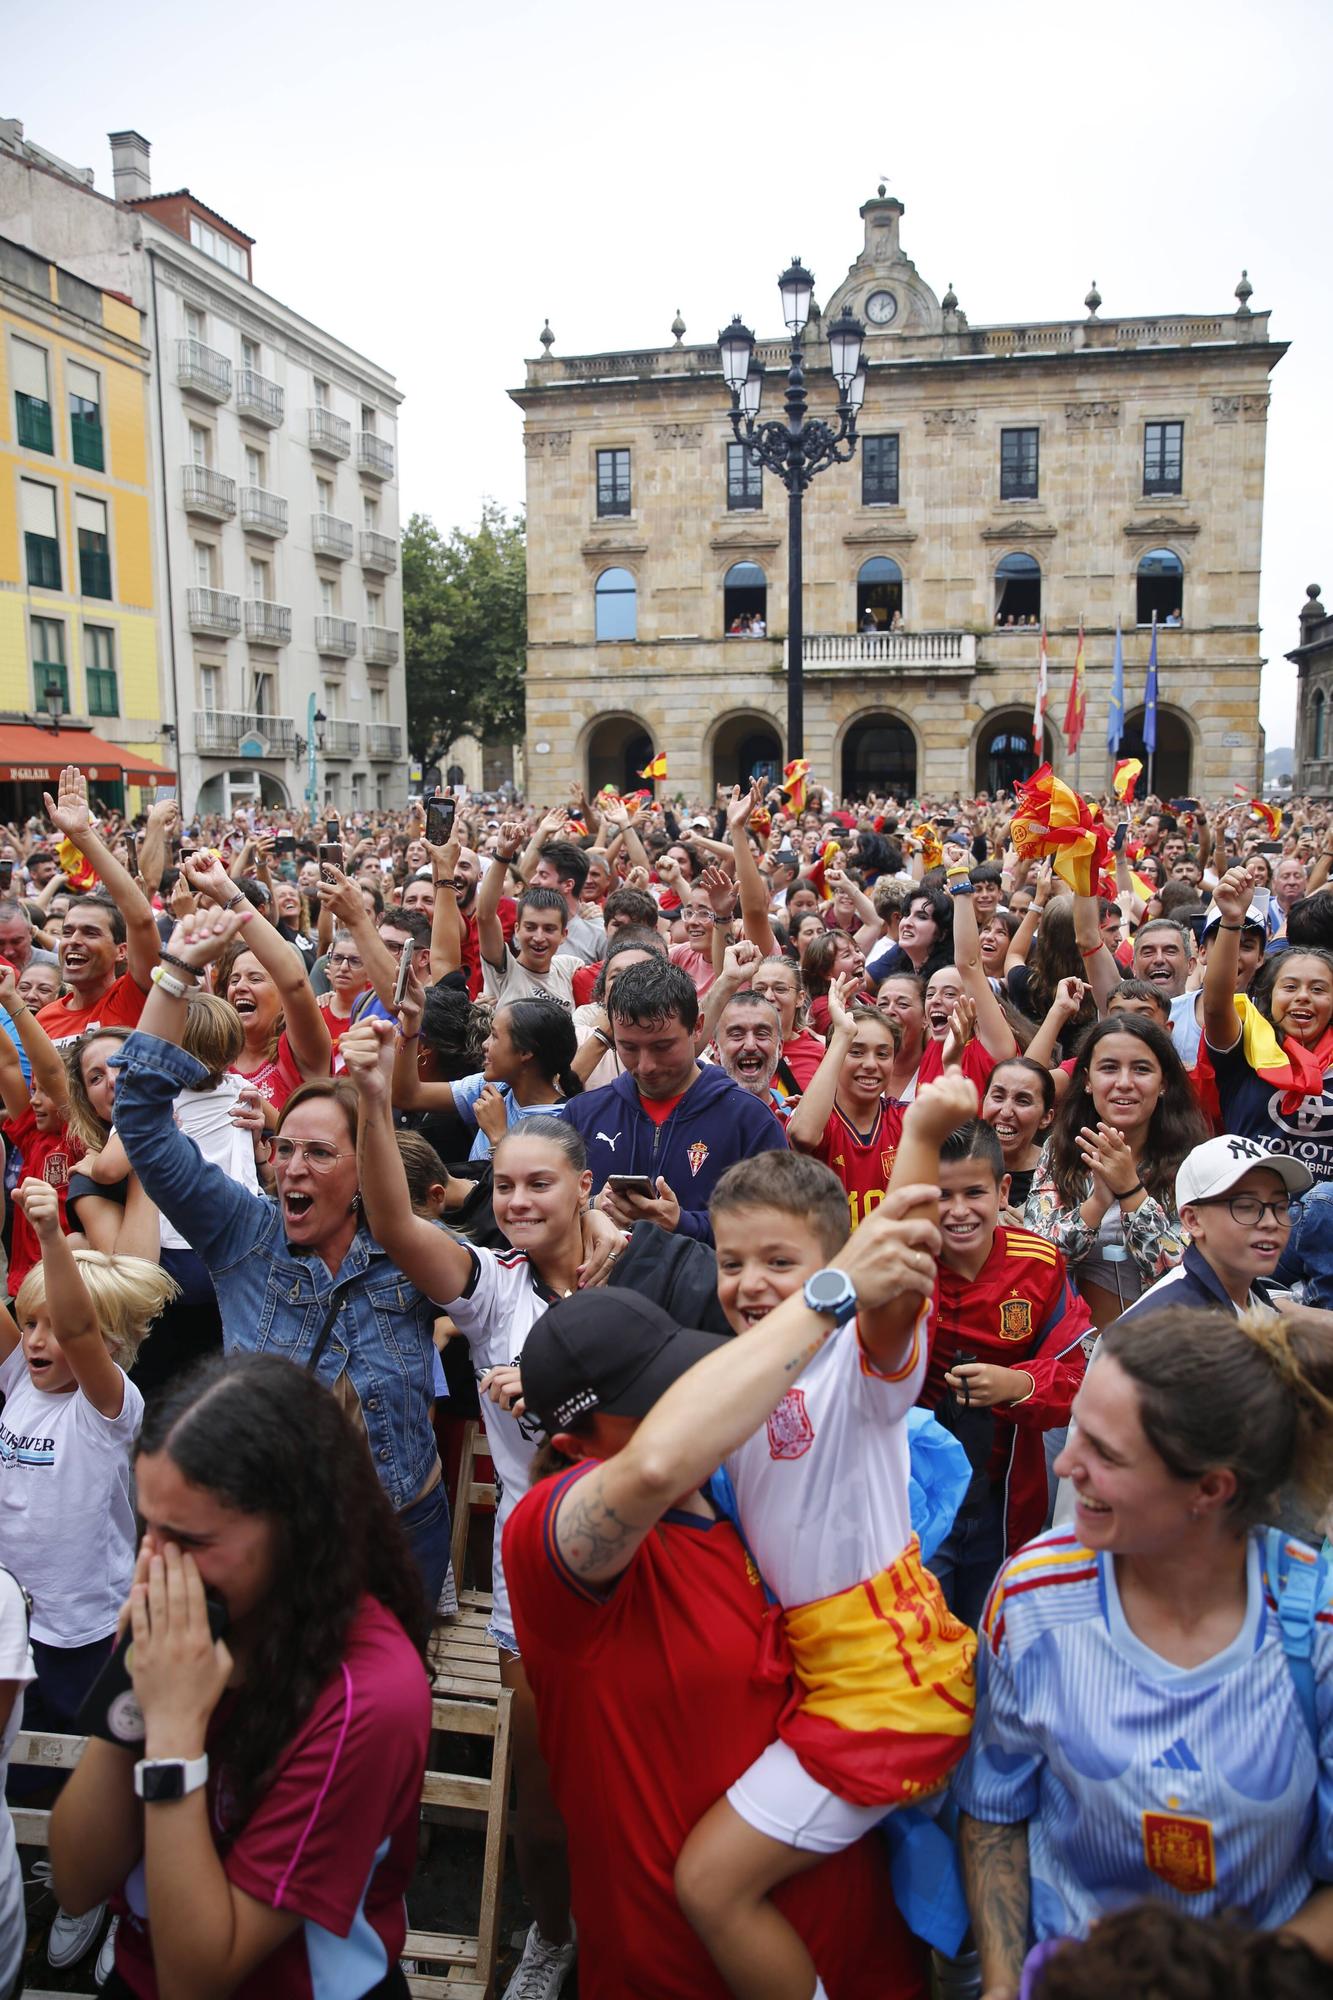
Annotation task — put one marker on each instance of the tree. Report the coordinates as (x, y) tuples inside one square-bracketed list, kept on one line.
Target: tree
[(466, 627)]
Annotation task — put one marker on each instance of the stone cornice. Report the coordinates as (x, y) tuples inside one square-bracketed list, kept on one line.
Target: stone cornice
[(1018, 531), (859, 538), (1159, 525)]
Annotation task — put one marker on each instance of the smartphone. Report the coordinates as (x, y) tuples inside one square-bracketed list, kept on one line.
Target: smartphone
[(7, 874), (1185, 805), (331, 831), (1118, 837), (404, 974), (632, 1184), (284, 843), (1269, 847), (330, 856), (110, 1708), (439, 820)]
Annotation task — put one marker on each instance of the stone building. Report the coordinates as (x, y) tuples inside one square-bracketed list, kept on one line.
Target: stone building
[(1006, 476), (1312, 770)]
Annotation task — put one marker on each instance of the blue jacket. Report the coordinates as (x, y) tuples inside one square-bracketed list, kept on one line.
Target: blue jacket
[(273, 1297), (1193, 1282), (1308, 1257), (715, 1124)]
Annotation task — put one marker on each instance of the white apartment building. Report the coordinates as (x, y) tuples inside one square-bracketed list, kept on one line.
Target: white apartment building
[(275, 458)]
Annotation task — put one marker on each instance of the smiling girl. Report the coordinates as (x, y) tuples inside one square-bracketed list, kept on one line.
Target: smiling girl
[(1019, 1107), (845, 1118)]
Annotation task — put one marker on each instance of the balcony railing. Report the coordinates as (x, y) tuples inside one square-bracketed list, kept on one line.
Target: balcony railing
[(217, 612), (259, 398), (895, 652), (207, 492), (379, 552), (94, 573), (85, 442), (221, 731), (384, 740), (203, 369), (329, 434), (269, 624), (374, 455), (34, 422), (331, 537), (335, 636), (342, 739), (264, 513), (379, 646)]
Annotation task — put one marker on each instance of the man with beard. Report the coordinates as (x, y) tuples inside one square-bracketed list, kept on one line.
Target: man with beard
[(749, 1045), (109, 944), (463, 868)]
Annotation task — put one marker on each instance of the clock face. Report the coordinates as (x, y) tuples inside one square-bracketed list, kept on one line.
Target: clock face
[(882, 308)]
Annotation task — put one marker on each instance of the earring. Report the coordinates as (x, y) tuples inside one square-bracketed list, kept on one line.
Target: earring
[(354, 1206)]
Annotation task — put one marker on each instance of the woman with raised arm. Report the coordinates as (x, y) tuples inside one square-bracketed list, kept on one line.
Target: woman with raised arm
[(845, 1118)]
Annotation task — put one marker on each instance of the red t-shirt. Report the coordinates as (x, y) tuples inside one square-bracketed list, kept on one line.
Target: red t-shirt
[(648, 1708), (862, 1161), (119, 1007), (583, 982), (347, 1784), (659, 1109), (276, 1079), (803, 1054), (46, 1156), (337, 1024), (978, 1064), (507, 911)]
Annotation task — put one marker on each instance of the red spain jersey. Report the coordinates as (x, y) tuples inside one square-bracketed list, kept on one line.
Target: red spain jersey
[(862, 1161)]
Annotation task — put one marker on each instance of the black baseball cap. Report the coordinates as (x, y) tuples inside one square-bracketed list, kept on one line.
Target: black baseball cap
[(608, 1349)]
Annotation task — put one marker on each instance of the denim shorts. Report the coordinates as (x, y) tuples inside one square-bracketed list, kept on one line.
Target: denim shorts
[(504, 1640)]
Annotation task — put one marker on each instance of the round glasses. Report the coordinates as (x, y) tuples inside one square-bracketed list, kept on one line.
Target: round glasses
[(320, 1159), (1247, 1209)]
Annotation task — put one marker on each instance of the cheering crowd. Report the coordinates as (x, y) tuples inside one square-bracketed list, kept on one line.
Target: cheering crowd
[(888, 1244)]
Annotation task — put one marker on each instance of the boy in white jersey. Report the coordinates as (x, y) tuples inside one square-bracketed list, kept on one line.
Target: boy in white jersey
[(884, 1673)]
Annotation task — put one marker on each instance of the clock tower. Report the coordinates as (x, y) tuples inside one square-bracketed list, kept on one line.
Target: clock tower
[(883, 286)]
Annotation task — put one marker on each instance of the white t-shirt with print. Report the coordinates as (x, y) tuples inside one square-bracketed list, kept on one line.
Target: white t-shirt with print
[(512, 981), (66, 1513), (205, 1117), (15, 1665)]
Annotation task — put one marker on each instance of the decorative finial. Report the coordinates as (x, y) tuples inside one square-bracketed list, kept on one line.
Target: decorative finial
[(1244, 292), (883, 190), (1312, 590), (678, 327), (1093, 300), (949, 302), (546, 338)]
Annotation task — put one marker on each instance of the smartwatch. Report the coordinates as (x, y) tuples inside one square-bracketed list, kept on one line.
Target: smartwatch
[(830, 1291), (160, 1779)]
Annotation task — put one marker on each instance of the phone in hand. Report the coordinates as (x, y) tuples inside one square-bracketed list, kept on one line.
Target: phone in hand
[(110, 1709), (1118, 837), (6, 874), (131, 856), (404, 974), (331, 835), (330, 856), (284, 843), (639, 1184), (439, 820)]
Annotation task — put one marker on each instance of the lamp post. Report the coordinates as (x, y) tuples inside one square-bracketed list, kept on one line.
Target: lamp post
[(54, 696), (800, 447)]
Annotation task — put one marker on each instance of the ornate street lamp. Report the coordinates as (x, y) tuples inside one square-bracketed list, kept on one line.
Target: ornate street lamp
[(54, 696), (799, 447)]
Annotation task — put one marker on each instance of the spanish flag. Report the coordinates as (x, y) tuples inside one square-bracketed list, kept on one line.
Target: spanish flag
[(1127, 773), (793, 783), (932, 853), (78, 872), (656, 768), (1270, 815), (1052, 819), (815, 875), (1286, 1064)]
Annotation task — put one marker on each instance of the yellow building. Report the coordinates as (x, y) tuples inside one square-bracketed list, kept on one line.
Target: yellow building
[(78, 624)]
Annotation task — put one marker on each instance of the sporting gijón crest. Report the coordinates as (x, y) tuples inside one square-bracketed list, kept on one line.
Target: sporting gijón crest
[(790, 1431)]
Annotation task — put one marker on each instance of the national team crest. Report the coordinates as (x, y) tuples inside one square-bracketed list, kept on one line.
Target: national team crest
[(1015, 1319), (790, 1431), (696, 1156), (1180, 1852)]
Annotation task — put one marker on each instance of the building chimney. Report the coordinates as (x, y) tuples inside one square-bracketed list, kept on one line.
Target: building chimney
[(129, 166)]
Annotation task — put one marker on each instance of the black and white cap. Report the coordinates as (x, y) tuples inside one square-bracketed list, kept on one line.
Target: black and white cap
[(1214, 1168)]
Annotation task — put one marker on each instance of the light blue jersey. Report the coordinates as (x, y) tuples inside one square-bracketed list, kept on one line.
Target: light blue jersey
[(1198, 1787)]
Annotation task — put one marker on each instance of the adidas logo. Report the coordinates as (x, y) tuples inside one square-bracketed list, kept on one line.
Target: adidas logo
[(1178, 1757)]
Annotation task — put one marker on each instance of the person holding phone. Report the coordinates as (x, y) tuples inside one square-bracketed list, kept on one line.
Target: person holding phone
[(528, 1069)]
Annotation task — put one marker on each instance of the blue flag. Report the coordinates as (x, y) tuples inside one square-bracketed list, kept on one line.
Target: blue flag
[(1115, 715), (1150, 695)]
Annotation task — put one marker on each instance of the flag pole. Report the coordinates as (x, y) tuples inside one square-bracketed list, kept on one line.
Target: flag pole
[(1152, 754), (1078, 741)]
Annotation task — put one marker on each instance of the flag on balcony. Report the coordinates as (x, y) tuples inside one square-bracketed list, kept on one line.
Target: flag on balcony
[(1270, 815), (1043, 696), (1052, 819), (656, 768), (794, 776), (1076, 709), (1150, 694), (78, 872), (1128, 771), (1115, 714)]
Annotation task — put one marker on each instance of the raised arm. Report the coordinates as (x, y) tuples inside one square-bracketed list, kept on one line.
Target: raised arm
[(993, 1030), (14, 1094), (446, 925), (70, 815), (435, 1262), (72, 1313), (48, 1068), (1221, 979), (1063, 1009), (1099, 963), (621, 821), (751, 884), (490, 935), (307, 1035), (812, 1114), (551, 826), (740, 962), (939, 1108), (349, 909), (164, 820), (1020, 944)]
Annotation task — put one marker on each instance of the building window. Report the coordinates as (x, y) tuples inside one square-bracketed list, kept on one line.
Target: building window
[(370, 512), (745, 602), (745, 480), (85, 416), (368, 419), (250, 355), (616, 599), (194, 323), (210, 680), (1161, 590), (263, 695), (201, 445), (99, 670), (1316, 722), (328, 597), (205, 565), (94, 547), (256, 467), (48, 660), (1017, 591), (324, 495), (261, 580), (41, 540), (219, 247), (32, 397), (879, 471), (374, 607), (1018, 464), (612, 482), (321, 390), (1163, 457), (879, 595)]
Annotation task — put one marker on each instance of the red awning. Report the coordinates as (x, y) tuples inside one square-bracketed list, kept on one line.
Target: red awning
[(37, 756)]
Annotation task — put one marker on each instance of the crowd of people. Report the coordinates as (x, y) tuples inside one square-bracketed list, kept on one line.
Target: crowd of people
[(894, 1286)]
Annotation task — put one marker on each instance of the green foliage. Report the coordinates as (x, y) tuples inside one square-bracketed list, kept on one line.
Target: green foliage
[(465, 626)]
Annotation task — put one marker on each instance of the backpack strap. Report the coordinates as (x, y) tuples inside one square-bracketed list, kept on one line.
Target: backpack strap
[(1297, 1583)]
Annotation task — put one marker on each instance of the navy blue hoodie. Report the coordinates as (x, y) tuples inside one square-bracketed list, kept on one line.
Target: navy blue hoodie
[(715, 1124)]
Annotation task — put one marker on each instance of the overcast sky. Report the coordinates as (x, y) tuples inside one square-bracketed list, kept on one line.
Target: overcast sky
[(429, 181)]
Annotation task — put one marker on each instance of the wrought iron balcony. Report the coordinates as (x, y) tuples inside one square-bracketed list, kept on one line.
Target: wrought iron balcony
[(264, 513), (374, 455), (207, 492), (335, 636), (384, 741), (379, 646), (204, 370), (331, 537), (259, 398), (217, 612), (378, 552), (269, 624), (329, 434), (342, 739), (219, 731)]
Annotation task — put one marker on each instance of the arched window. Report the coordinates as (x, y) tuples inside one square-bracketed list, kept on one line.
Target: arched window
[(1017, 591), (617, 602), (1005, 756), (1317, 724), (1161, 587), (745, 602), (879, 755), (879, 594), (455, 775)]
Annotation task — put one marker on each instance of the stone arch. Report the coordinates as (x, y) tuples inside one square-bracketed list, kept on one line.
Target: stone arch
[(1002, 749), (616, 746), (1174, 758), (742, 741)]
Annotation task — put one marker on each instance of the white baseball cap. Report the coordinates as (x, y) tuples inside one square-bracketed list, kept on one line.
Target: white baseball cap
[(1254, 919), (1214, 1168)]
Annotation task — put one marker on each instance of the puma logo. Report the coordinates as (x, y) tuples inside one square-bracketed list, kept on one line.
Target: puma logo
[(612, 1143)]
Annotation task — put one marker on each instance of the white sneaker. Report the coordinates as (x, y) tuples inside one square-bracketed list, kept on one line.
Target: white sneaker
[(446, 1605), (106, 1957), (70, 1937), (542, 1970)]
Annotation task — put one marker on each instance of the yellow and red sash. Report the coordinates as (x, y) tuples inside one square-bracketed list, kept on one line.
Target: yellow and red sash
[(1287, 1064)]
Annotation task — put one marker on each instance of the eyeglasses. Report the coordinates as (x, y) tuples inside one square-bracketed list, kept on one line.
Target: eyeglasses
[(1247, 1209), (320, 1159), (345, 958)]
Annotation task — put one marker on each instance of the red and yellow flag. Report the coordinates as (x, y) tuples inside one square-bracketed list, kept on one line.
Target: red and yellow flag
[(815, 875), (1126, 776), (1076, 710), (1052, 819), (794, 776), (1270, 815), (932, 851), (78, 872), (656, 768)]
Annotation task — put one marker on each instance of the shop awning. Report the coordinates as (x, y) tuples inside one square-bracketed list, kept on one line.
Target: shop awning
[(37, 756)]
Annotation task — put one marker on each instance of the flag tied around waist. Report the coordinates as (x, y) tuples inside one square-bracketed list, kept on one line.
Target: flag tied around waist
[(1052, 819)]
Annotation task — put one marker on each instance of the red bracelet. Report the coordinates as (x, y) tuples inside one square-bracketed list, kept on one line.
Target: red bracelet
[(1091, 950)]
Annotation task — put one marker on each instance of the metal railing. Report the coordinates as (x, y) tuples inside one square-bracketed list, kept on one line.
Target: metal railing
[(263, 512), (270, 624), (329, 434), (259, 398), (378, 551), (207, 492), (374, 455), (895, 650), (384, 740), (335, 635), (379, 646), (215, 611), (203, 369), (331, 537), (342, 739), (222, 730), (34, 422)]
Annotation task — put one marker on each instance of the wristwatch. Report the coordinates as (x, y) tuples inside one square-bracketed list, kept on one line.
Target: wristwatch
[(830, 1291), (160, 1779)]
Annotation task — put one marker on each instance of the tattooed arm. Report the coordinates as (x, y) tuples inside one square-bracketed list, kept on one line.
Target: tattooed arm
[(999, 1892), (725, 1397)]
